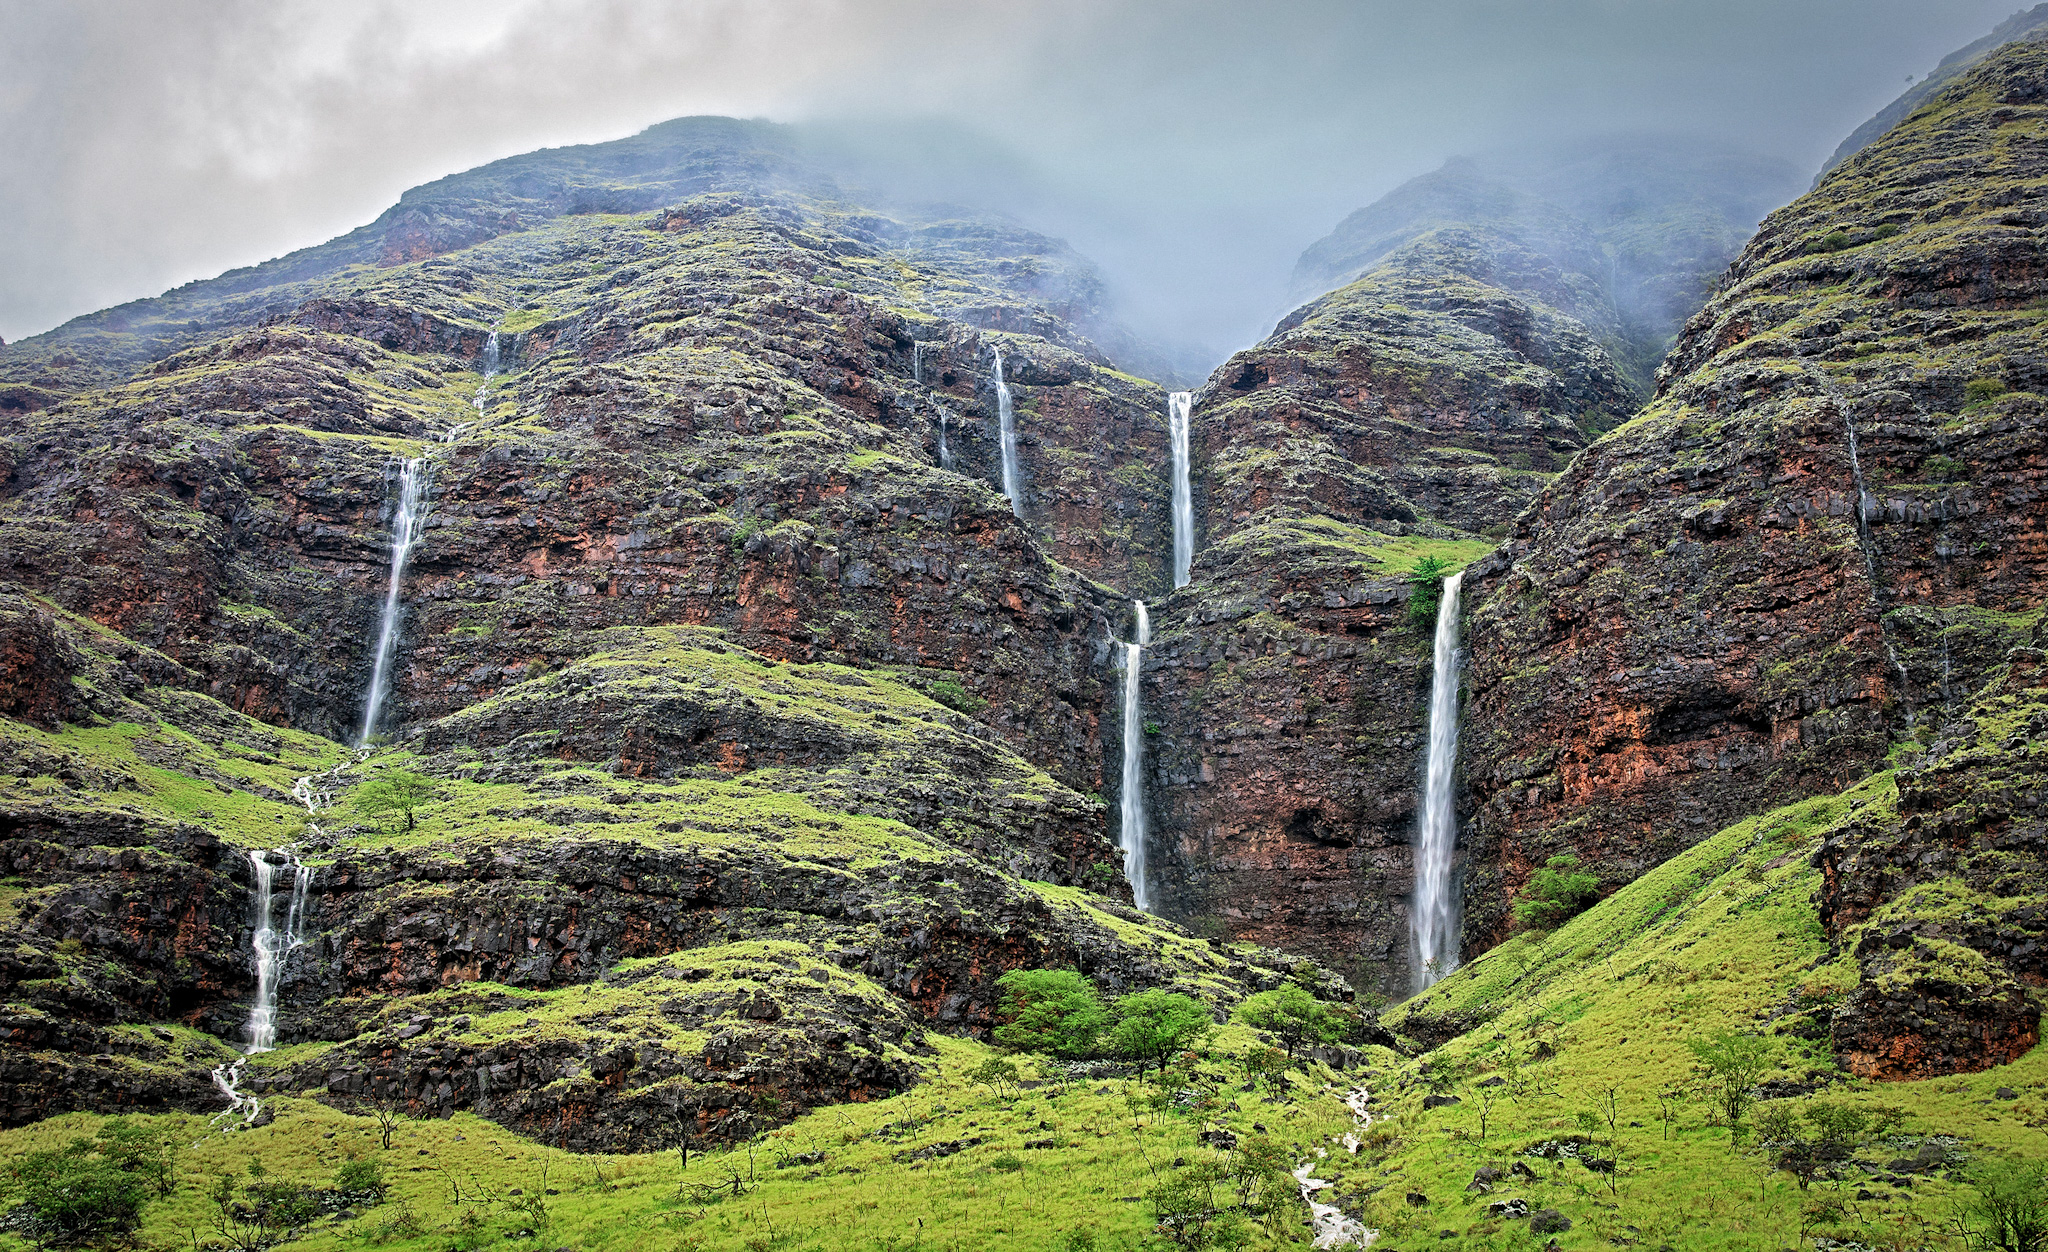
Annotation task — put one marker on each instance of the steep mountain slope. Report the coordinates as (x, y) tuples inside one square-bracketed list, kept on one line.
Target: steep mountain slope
[(761, 732), (1818, 539)]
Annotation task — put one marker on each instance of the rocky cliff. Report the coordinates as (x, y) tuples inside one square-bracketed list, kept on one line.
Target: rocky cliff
[(1476, 343), (762, 732), (1819, 538)]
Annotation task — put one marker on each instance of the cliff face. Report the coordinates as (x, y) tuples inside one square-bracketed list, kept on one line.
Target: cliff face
[(1815, 542), (761, 733), (1392, 419)]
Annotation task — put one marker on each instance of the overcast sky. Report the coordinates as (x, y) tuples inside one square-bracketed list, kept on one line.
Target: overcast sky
[(1197, 146)]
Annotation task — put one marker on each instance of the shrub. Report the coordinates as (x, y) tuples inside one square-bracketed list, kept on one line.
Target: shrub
[(360, 1177), (1428, 580), (2010, 1211), (75, 1194), (1055, 1012), (1555, 894), (1292, 1014), (1886, 231), (1833, 241), (1943, 469), (1979, 390), (1007, 1163), (1734, 1063), (950, 693)]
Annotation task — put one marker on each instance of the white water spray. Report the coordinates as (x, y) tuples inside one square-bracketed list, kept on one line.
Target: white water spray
[(1433, 920), (415, 479), (1006, 419), (1133, 833), (1177, 407), (917, 361), (945, 449)]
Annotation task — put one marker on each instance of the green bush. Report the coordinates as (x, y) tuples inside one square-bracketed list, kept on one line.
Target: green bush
[(1151, 1026), (950, 693), (1943, 469), (1833, 241), (1979, 390), (75, 1194), (1555, 894), (1428, 580), (359, 1177), (1007, 1163), (2010, 1210), (1055, 1012), (1292, 1014)]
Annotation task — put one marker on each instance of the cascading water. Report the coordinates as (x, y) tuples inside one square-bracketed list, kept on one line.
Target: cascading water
[(945, 449), (1134, 760), (1177, 407), (1433, 915), (1006, 419), (917, 361), (483, 389), (415, 479), (274, 942)]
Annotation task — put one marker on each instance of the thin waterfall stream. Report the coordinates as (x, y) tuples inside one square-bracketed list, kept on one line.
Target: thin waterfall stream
[(415, 488), (1433, 914), (1006, 420), (1178, 406), (415, 480), (1133, 833)]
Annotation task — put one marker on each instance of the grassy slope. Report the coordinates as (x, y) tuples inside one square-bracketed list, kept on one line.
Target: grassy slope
[(1723, 936), (859, 1197)]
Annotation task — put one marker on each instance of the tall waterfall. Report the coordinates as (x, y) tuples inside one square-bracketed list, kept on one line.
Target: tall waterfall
[(917, 361), (1134, 761), (274, 941), (1177, 406), (414, 480), (1433, 915), (1007, 419), (945, 449)]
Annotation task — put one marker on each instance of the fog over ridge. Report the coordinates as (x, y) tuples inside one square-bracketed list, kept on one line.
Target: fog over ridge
[(1193, 148)]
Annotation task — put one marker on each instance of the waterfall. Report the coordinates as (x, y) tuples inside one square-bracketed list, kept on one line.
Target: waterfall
[(917, 361), (945, 450), (1433, 916), (490, 371), (1007, 419), (414, 480), (273, 946), (1134, 761), (1177, 406)]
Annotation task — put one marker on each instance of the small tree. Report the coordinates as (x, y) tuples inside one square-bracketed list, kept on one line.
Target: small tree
[(1054, 1012), (394, 792), (1292, 1014), (1555, 894), (1151, 1026), (1735, 1063)]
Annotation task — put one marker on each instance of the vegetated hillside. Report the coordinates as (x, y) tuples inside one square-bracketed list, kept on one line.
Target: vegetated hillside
[(1575, 1072), (1411, 413), (759, 736), (1818, 540), (2028, 24)]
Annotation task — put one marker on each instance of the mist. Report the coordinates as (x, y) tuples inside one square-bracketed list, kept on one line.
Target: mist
[(1192, 149)]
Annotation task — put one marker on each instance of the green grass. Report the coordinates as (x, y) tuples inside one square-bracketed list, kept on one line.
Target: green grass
[(1108, 1155)]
